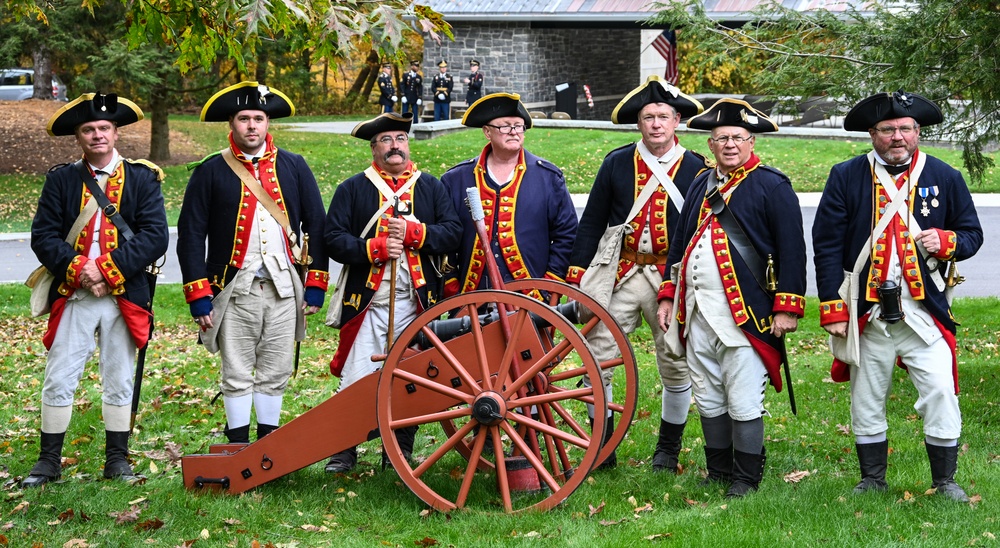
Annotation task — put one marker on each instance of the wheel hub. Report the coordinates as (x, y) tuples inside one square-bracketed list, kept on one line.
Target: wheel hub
[(489, 408)]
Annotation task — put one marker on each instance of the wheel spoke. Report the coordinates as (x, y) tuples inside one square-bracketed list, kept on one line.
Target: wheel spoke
[(450, 358), (443, 449), (537, 464), (470, 469), (547, 430), (510, 353), (458, 412), (477, 338)]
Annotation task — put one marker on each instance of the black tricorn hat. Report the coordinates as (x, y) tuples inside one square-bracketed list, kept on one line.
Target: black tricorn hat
[(887, 106), (91, 107), (493, 106), (733, 112), (247, 96), (390, 121), (654, 90)]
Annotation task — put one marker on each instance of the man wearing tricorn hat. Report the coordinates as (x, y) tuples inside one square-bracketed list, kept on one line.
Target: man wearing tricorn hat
[(530, 217), (100, 222), (387, 92), (442, 85), (251, 273), (658, 170), (412, 87), (739, 286), (390, 216), (893, 221)]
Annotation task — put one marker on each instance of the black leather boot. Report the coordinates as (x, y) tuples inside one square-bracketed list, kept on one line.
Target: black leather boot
[(944, 464), (238, 435), (609, 430), (49, 465), (343, 462), (405, 437), (668, 447), (719, 463), (116, 456), (873, 458), (748, 470), (264, 429)]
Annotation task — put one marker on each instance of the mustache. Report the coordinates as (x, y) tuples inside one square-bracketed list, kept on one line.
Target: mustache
[(395, 152)]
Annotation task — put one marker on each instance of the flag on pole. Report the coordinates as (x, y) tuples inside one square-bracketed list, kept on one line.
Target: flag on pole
[(666, 45)]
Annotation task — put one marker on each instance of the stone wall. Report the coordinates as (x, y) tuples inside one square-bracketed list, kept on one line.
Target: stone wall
[(530, 61)]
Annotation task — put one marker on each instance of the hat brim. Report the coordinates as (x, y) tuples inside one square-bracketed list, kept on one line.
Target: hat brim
[(727, 112), (889, 106), (83, 109), (654, 90), (389, 121), (493, 106), (247, 96)]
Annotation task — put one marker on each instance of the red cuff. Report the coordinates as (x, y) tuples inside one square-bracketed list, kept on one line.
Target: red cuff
[(949, 241), (318, 278), (196, 290), (377, 252), (415, 234), (791, 303), (833, 312), (574, 274), (111, 272), (667, 290), (74, 270)]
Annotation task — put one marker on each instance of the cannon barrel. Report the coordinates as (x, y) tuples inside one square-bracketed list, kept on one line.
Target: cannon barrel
[(449, 328)]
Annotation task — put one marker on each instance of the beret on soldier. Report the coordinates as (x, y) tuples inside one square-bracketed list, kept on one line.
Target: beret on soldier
[(733, 112), (246, 96), (474, 63), (91, 107), (654, 90), (390, 121), (888, 106), (493, 106)]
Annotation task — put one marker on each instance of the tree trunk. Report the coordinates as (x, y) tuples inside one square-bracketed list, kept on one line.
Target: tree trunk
[(260, 72), (371, 66), (159, 137), (370, 82), (43, 74)]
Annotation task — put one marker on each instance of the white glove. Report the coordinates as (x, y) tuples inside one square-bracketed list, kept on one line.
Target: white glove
[(419, 102), (441, 97), (404, 100), (393, 98)]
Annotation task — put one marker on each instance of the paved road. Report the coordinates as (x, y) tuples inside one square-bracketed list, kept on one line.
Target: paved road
[(17, 260)]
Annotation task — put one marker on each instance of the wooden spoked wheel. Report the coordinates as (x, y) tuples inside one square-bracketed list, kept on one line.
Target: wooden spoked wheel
[(626, 372), (498, 381)]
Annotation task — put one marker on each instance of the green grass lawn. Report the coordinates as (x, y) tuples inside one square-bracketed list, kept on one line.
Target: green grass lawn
[(578, 152), (627, 506)]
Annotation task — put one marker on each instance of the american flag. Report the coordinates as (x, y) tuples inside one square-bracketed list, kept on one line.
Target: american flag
[(666, 45)]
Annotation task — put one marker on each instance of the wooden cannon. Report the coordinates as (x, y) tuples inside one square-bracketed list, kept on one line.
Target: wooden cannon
[(516, 370)]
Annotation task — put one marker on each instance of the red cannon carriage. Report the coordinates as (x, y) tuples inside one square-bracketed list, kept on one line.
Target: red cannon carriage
[(507, 367)]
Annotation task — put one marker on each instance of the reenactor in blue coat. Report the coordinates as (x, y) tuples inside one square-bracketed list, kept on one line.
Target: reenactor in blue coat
[(251, 273), (101, 282), (387, 92), (530, 217), (442, 85), (389, 216), (894, 220), (412, 87), (642, 233), (741, 276)]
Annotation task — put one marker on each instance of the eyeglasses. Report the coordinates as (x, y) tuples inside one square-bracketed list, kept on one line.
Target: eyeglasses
[(736, 139), (507, 130), (890, 131), (401, 138)]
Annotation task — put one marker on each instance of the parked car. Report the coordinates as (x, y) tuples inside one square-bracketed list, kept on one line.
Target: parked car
[(17, 85)]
